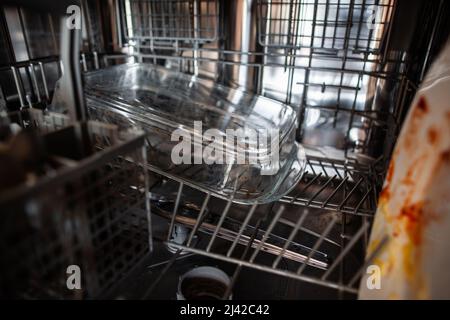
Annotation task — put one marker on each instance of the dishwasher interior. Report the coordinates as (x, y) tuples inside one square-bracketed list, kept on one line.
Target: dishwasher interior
[(349, 70)]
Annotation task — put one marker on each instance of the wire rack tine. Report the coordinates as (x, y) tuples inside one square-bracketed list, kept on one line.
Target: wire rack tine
[(19, 88), (162, 274), (35, 82), (346, 250), (44, 80), (242, 229), (335, 191), (310, 232), (199, 219), (244, 254), (318, 244), (175, 210), (294, 232), (369, 260), (351, 193), (363, 199), (219, 225), (279, 272), (320, 190), (267, 233)]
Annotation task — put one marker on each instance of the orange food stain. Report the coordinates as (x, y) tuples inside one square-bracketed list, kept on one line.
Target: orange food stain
[(409, 265), (391, 172), (414, 171), (445, 156), (433, 136), (418, 112), (422, 105), (414, 219), (408, 180), (385, 193)]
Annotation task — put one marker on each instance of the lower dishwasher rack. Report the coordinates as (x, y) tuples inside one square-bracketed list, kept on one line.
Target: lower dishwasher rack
[(316, 236)]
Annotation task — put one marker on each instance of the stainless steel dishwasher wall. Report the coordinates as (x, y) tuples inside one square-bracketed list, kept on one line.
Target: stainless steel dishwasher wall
[(342, 64), (240, 36)]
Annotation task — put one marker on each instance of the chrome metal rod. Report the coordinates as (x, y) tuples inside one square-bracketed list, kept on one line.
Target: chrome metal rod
[(196, 36), (350, 193), (162, 274), (337, 171), (199, 219), (258, 66), (96, 62), (291, 237), (279, 272), (335, 192), (281, 239), (318, 244), (244, 254), (229, 235), (346, 250), (83, 62), (241, 230), (72, 99), (35, 83), (317, 177), (305, 173), (19, 87), (168, 261), (219, 225), (44, 81), (267, 233), (369, 261), (321, 190), (312, 233), (147, 199), (332, 207), (363, 199), (175, 209)]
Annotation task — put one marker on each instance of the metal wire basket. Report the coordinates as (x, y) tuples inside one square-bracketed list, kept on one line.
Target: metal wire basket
[(336, 25), (280, 238), (172, 21), (92, 213)]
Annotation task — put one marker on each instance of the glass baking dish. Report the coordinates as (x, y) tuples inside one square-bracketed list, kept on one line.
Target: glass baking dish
[(175, 100), (161, 101)]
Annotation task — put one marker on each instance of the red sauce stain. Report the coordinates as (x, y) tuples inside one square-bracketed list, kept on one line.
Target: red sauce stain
[(417, 217), (418, 112), (391, 171), (433, 136), (445, 156), (415, 123), (385, 193), (415, 222), (422, 105), (408, 180), (414, 171), (408, 141)]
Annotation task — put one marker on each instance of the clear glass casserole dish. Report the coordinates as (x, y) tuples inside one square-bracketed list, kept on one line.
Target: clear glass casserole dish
[(166, 104)]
